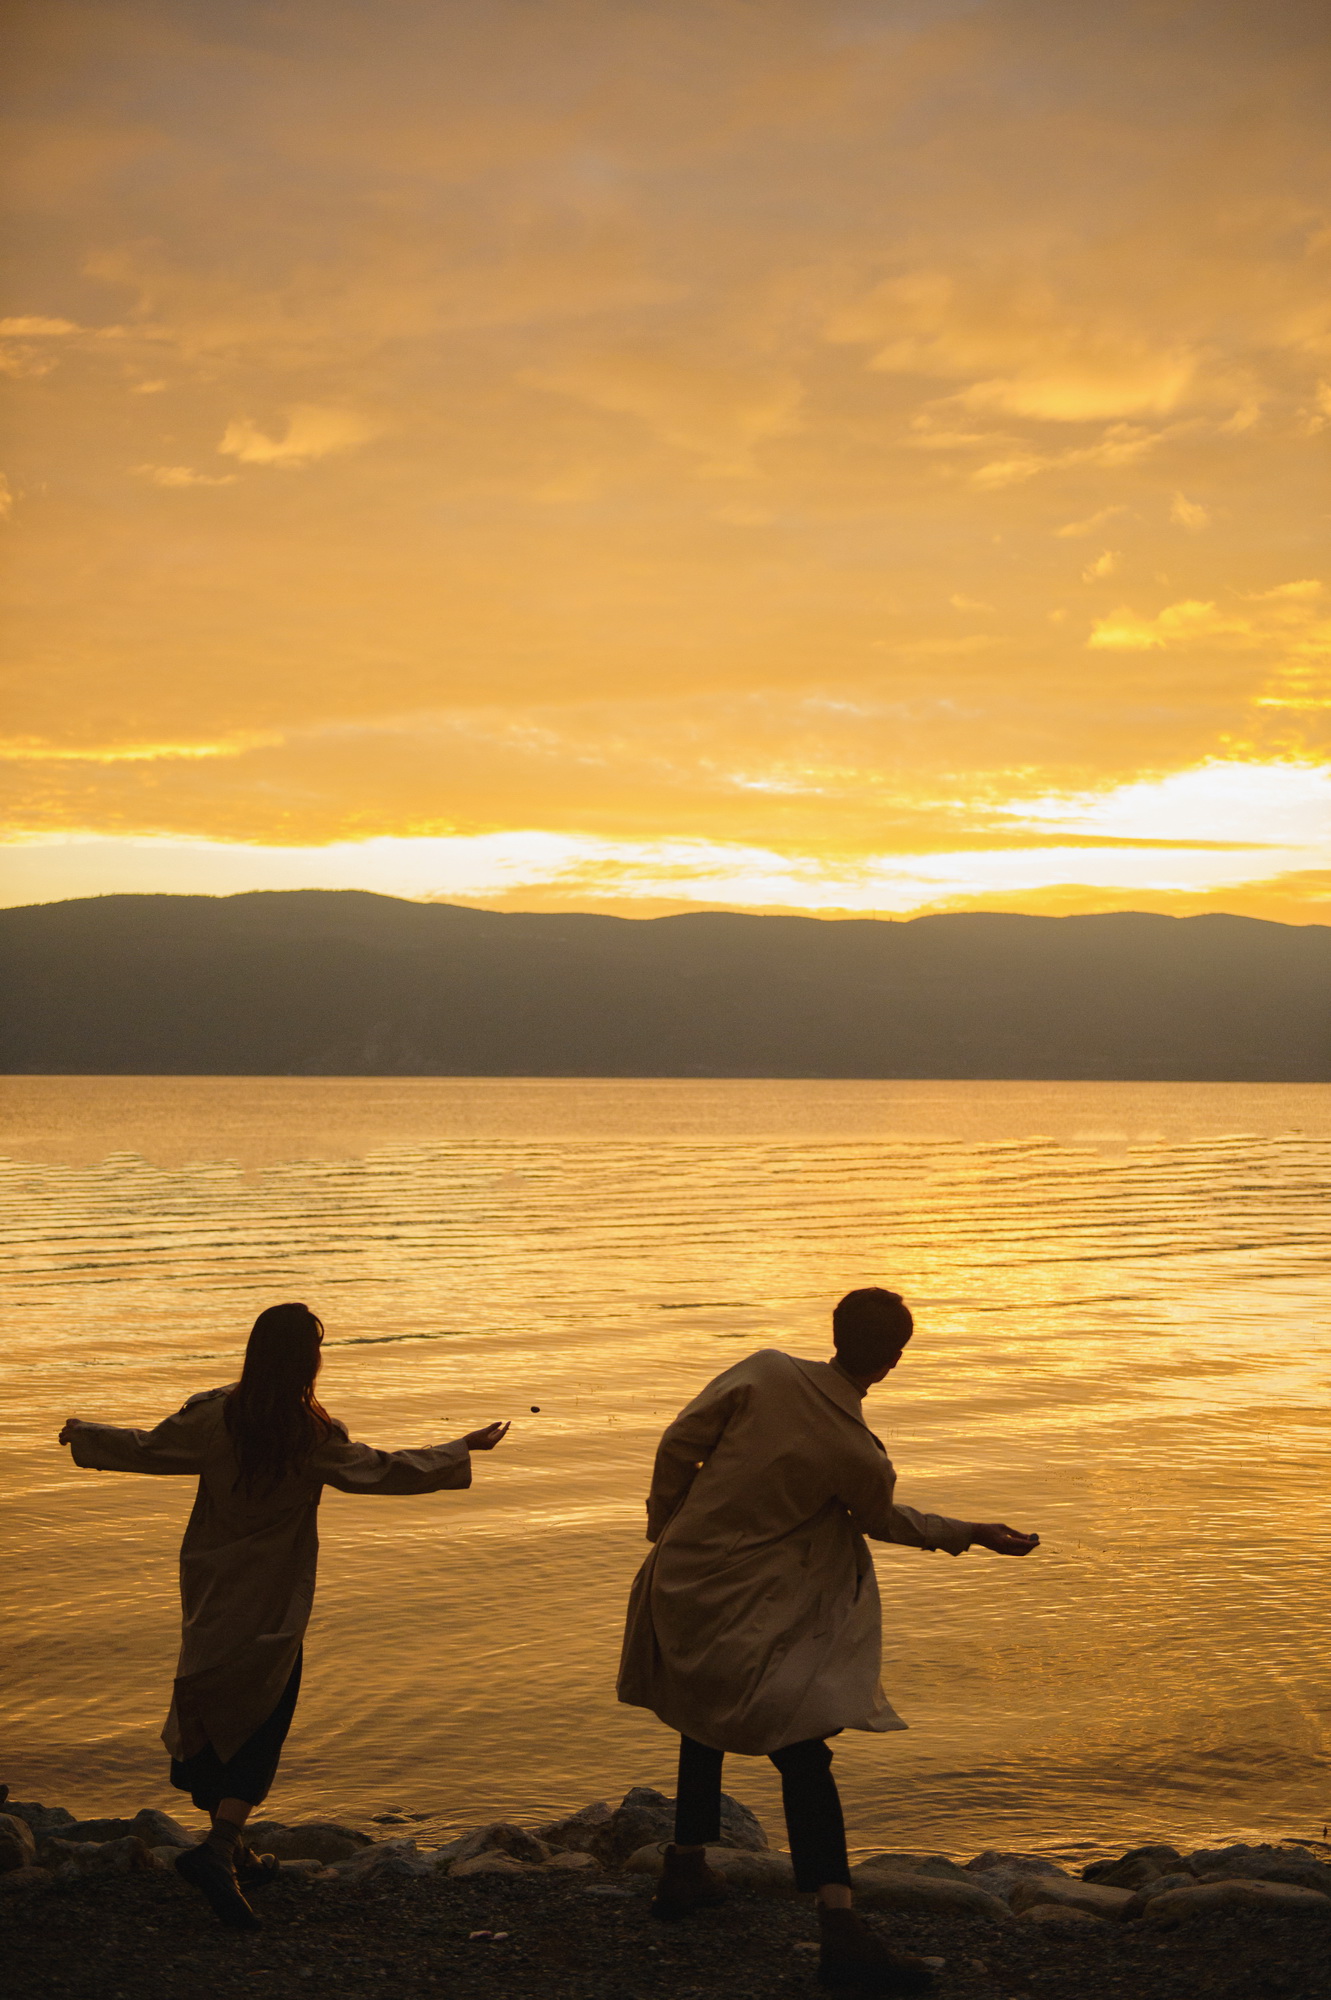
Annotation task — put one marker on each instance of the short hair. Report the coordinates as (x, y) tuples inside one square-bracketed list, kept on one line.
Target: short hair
[(870, 1326)]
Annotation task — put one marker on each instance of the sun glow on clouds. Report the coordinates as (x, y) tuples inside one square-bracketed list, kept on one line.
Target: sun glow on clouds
[(818, 456), (1281, 805), (1187, 835), (18, 750)]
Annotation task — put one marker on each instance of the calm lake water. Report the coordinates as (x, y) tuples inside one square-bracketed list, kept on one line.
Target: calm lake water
[(1120, 1293)]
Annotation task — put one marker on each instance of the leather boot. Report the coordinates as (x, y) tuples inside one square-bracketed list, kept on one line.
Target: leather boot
[(254, 1871), (855, 1959), (687, 1884), (214, 1878)]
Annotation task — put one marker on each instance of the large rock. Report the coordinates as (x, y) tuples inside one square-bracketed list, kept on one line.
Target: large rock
[(41, 1820), (646, 1815), (752, 1868), (1161, 1886), (1137, 1867), (999, 1871), (740, 1827), (1289, 1862), (500, 1836), (19, 1880), (1013, 1862), (918, 1864), (573, 1859), (1059, 1913), (1207, 1899), (384, 1857), (153, 1828), (494, 1863), (1095, 1898), (1205, 1860), (878, 1888), (755, 1868), (313, 1840), (642, 1816), (579, 1832), (18, 1848), (70, 1858)]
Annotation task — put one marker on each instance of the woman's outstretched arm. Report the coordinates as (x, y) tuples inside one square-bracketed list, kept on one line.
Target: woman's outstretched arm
[(176, 1446), (359, 1468)]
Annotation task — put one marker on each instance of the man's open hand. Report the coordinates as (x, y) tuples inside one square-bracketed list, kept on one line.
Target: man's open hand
[(1004, 1541)]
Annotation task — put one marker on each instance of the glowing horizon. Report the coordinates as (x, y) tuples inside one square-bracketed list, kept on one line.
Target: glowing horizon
[(863, 458)]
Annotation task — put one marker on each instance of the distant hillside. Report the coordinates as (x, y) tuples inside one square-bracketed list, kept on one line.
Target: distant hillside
[(339, 983)]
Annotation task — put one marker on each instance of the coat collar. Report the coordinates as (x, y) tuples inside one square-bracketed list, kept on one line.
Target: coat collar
[(837, 1388)]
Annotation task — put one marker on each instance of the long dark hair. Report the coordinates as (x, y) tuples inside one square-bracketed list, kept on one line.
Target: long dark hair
[(273, 1414)]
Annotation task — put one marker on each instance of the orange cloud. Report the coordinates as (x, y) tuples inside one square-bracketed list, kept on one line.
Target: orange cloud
[(311, 433)]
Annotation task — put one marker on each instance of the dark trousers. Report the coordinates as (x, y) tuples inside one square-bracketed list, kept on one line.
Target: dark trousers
[(808, 1792), (247, 1774)]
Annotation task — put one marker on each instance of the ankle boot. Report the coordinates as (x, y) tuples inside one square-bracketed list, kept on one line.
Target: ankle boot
[(205, 1870), (687, 1884), (855, 1959), (254, 1871)]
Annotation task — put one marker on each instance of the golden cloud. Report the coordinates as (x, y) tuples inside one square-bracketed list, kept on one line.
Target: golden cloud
[(28, 750), (311, 433), (34, 325), (1024, 354), (1188, 514), (182, 475)]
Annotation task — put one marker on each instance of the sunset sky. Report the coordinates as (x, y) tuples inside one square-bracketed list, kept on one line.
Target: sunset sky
[(831, 455)]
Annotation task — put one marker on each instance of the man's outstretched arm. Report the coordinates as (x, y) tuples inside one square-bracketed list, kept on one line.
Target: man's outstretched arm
[(878, 1514)]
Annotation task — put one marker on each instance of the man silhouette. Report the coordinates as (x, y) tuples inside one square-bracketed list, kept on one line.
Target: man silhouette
[(754, 1625)]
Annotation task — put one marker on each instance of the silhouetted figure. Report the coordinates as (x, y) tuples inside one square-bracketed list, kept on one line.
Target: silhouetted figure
[(754, 1624), (262, 1450)]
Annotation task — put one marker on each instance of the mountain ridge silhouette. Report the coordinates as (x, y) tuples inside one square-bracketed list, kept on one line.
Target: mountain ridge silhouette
[(349, 983)]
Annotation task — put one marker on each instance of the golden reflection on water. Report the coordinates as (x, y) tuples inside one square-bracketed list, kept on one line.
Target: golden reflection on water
[(1120, 1293)]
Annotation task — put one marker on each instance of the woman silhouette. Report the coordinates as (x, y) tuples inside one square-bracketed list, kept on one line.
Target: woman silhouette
[(262, 1451)]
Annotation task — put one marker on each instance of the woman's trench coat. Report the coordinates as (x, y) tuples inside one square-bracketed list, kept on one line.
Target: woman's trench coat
[(247, 1563), (755, 1620)]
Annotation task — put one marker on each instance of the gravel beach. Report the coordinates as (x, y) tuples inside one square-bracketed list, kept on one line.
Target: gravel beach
[(145, 1937), (95, 1910)]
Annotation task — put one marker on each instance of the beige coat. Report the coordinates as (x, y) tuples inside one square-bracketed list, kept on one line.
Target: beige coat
[(755, 1620), (247, 1563)]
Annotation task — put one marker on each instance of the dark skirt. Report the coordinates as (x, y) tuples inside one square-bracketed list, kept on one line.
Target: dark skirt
[(248, 1774)]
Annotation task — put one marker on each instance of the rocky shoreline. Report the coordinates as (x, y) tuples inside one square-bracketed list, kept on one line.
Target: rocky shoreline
[(93, 1908)]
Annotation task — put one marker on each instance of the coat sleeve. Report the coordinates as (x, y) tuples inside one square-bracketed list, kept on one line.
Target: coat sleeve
[(687, 1444), (875, 1511), (359, 1468), (177, 1445)]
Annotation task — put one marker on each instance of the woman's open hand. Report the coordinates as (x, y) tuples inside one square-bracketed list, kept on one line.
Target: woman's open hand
[(71, 1425), (1004, 1541), (485, 1440)]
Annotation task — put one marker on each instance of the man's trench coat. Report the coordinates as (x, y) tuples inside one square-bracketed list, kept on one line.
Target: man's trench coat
[(755, 1620), (248, 1561)]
